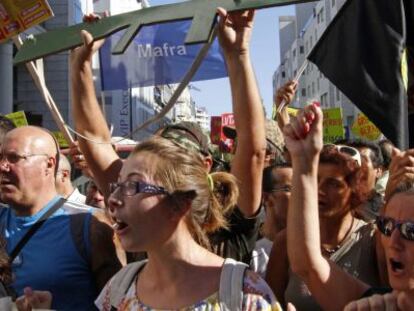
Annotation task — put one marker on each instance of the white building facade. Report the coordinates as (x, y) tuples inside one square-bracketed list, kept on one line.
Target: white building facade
[(203, 118), (298, 36), (26, 96)]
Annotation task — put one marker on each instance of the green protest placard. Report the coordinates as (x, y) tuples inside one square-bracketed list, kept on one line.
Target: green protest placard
[(292, 111), (333, 129), (18, 118), (63, 143)]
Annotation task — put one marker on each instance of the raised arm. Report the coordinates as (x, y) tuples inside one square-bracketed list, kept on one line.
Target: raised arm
[(248, 162), (332, 287), (89, 120)]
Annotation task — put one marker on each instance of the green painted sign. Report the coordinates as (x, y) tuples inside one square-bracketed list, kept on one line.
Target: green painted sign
[(202, 12), (333, 128)]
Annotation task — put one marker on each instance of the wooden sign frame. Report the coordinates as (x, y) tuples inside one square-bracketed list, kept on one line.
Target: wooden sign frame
[(202, 12)]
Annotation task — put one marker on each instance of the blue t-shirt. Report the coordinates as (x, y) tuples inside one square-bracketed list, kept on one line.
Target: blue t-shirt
[(50, 260)]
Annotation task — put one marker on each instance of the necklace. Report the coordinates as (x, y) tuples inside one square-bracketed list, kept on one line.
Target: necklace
[(331, 251)]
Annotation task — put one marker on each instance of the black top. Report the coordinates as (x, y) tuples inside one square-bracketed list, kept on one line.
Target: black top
[(238, 241)]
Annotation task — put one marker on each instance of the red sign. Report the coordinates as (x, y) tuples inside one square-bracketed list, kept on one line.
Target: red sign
[(216, 131)]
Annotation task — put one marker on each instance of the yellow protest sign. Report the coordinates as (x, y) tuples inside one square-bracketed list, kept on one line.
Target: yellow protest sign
[(292, 111), (364, 128), (19, 15), (333, 129), (63, 143), (18, 118)]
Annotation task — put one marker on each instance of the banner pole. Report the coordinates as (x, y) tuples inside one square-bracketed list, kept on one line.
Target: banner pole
[(41, 85)]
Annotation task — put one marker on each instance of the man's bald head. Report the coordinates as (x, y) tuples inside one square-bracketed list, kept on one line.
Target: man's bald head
[(64, 164), (41, 140), (63, 183), (30, 157), (35, 140)]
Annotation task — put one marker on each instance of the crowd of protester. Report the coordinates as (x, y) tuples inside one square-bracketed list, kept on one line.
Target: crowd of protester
[(289, 223)]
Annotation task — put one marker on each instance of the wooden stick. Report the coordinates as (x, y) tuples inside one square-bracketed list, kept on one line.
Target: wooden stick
[(41, 85)]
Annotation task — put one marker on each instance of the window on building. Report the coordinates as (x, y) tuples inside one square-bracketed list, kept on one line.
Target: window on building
[(333, 3), (301, 49), (309, 90), (311, 41), (294, 73), (316, 35), (294, 52), (338, 94), (322, 12), (303, 92), (313, 88), (317, 84), (77, 12), (349, 121), (283, 74), (324, 99)]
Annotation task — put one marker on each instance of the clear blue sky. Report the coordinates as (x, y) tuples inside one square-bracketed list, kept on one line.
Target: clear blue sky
[(215, 94)]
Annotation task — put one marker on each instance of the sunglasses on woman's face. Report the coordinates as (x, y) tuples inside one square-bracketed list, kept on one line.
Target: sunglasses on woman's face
[(387, 225), (351, 151)]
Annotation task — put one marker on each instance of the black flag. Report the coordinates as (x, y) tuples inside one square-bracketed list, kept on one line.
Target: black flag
[(361, 53)]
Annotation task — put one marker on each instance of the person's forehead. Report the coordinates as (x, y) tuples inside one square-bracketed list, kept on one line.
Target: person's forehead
[(365, 153), (282, 173), (16, 142), (139, 166), (401, 207), (330, 169)]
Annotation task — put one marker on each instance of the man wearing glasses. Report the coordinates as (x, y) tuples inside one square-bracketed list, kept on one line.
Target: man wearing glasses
[(277, 185), (51, 259)]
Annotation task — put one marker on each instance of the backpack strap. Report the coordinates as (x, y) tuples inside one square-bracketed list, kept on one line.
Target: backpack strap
[(121, 282), (79, 228), (231, 285)]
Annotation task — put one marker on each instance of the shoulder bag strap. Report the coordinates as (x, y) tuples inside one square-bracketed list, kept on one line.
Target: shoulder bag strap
[(32, 230)]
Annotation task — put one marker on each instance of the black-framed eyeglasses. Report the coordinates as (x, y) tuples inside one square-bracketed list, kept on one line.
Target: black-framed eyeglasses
[(351, 151), (387, 225), (130, 188), (13, 158), (286, 188)]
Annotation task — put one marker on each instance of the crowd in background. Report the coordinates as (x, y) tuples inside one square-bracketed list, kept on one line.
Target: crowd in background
[(289, 223)]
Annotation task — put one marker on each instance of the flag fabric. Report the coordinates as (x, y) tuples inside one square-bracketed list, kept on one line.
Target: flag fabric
[(361, 54), (157, 56)]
